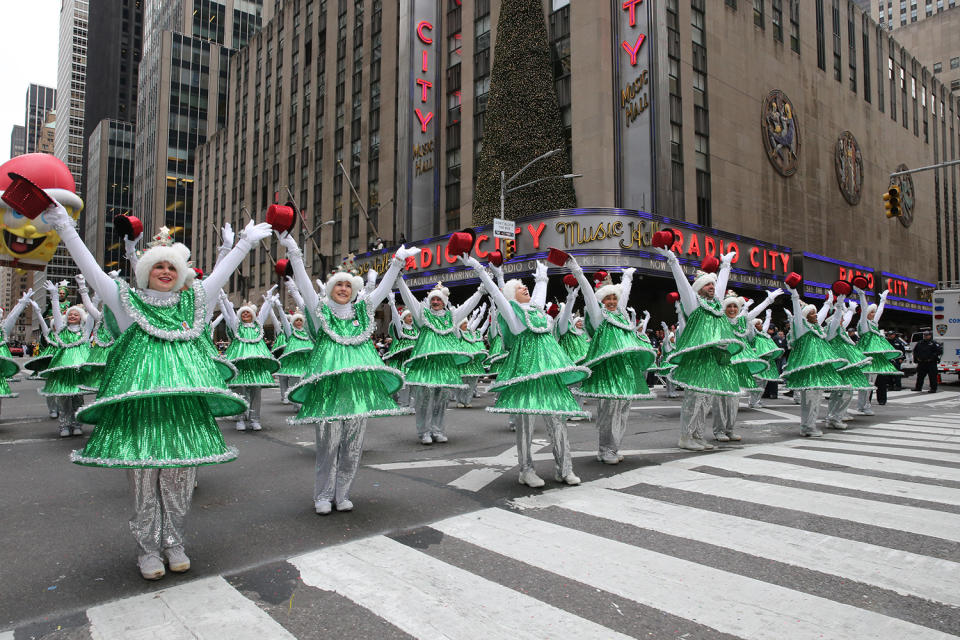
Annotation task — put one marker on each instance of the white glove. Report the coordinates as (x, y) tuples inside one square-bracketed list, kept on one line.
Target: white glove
[(727, 258), (81, 281), (254, 233), (113, 274), (541, 272), (227, 235), (858, 290), (646, 316), (663, 251), (406, 252), (52, 288), (773, 294), (883, 296), (270, 294), (26, 296), (287, 241), (57, 216), (130, 246), (628, 273), (830, 297), (469, 261)]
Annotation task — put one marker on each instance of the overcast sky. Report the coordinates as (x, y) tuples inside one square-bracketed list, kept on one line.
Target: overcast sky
[(28, 54)]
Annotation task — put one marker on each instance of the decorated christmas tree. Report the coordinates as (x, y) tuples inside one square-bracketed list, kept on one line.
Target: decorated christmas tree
[(523, 120)]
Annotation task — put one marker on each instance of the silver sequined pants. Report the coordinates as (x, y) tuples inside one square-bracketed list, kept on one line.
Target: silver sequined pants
[(252, 395), (837, 406), (284, 384), (693, 413), (612, 417), (53, 403), (67, 406), (809, 409), (430, 404), (671, 388), (161, 500), (339, 445), (754, 396), (557, 430), (466, 396), (863, 400), (725, 409)]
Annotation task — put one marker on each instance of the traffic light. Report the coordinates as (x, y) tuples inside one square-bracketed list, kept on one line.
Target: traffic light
[(891, 202)]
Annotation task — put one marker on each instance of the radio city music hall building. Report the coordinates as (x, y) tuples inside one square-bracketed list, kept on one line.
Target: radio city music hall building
[(768, 128)]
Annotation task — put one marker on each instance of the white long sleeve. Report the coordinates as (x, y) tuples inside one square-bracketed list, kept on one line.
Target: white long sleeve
[(538, 298), (766, 320), (103, 284), (723, 278), (864, 324), (11, 320), (229, 315), (563, 320), (881, 306), (798, 327), (311, 303), (387, 282), (224, 269), (503, 305), (688, 297), (88, 304), (414, 306), (58, 321), (755, 312), (461, 312), (284, 320), (646, 321), (264, 313), (626, 285), (590, 303)]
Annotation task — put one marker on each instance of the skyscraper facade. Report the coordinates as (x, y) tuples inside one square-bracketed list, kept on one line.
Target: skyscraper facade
[(18, 140), (182, 98), (109, 188), (71, 86), (39, 101)]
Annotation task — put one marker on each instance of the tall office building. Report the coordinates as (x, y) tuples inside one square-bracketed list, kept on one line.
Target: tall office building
[(894, 14), (71, 86), (39, 101), (182, 98), (109, 188), (18, 141), (48, 134)]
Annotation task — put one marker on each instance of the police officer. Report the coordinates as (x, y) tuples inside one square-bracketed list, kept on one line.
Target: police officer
[(927, 354)]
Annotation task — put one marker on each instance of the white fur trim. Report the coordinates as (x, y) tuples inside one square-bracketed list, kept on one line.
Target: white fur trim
[(297, 316), (607, 290), (249, 307), (439, 292), (510, 289), (177, 254), (871, 308), (356, 283), (807, 309), (703, 279), (404, 313), (734, 299)]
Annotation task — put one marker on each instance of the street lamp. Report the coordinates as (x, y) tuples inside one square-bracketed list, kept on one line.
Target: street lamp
[(323, 258), (505, 182)]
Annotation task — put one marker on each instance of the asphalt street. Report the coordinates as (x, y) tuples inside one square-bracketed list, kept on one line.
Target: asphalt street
[(67, 547)]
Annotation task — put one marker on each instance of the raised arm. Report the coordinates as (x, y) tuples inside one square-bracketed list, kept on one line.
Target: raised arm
[(284, 320), (501, 302), (626, 285), (864, 324), (87, 329), (688, 297), (229, 313), (797, 316), (538, 298), (368, 285), (645, 322), (486, 323), (477, 317), (754, 313), (88, 304), (103, 284), (563, 320), (249, 237), (267, 305), (130, 252), (464, 309), (226, 243), (53, 296), (44, 329), (395, 318), (300, 275), (321, 288), (14, 314), (723, 276), (766, 320), (216, 321), (848, 314), (497, 274), (389, 279), (835, 319), (590, 302), (881, 305), (825, 309)]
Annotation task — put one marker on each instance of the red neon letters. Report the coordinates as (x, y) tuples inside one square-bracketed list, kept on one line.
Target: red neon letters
[(424, 27)]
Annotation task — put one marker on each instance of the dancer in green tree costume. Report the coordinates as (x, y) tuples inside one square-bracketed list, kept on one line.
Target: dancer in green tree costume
[(156, 410), (102, 339), (855, 361), (295, 361), (569, 330), (433, 368), (536, 375), (471, 336), (403, 336), (746, 364), (875, 346), (64, 378), (248, 352), (812, 364), (8, 366), (347, 381), (702, 356), (618, 360), (765, 348)]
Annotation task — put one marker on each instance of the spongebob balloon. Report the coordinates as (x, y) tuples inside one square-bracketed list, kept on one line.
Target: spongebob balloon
[(26, 243)]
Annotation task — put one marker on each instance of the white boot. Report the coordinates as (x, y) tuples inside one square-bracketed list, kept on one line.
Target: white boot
[(177, 559), (531, 479), (241, 425), (690, 444), (151, 566)]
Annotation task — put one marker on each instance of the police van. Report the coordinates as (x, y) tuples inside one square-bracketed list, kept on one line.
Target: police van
[(946, 327)]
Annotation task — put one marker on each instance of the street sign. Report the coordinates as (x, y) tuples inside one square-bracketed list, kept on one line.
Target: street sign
[(504, 229)]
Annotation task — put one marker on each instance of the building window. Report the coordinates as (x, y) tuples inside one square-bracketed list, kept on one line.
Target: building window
[(776, 19), (758, 13), (852, 48), (795, 25), (937, 67), (835, 13), (821, 48), (954, 63), (865, 34)]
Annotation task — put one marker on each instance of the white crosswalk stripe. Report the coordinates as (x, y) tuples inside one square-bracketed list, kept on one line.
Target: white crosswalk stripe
[(617, 539)]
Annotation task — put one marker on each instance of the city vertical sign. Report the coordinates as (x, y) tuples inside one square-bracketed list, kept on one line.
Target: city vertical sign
[(633, 92), (418, 130)]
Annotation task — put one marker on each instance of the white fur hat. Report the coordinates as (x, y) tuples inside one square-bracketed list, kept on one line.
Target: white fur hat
[(247, 306), (79, 309), (870, 308), (609, 290), (297, 316), (733, 298), (404, 313), (703, 279), (163, 248), (510, 289), (439, 291), (356, 283), (807, 309)]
